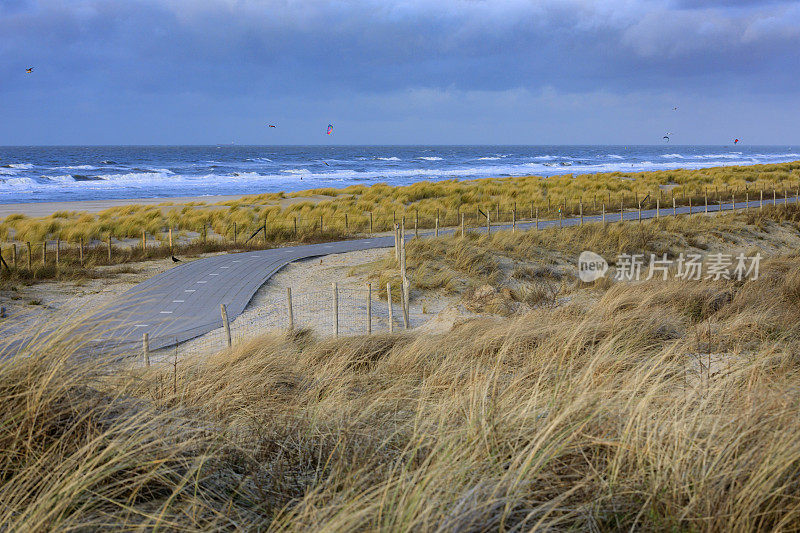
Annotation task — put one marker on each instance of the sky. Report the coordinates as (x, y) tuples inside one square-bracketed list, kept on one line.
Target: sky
[(399, 72)]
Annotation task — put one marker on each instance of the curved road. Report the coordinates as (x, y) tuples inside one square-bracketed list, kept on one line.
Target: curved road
[(184, 302)]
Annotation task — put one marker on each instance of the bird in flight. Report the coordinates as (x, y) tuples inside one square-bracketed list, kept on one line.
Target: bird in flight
[(675, 108), (29, 70), (272, 125)]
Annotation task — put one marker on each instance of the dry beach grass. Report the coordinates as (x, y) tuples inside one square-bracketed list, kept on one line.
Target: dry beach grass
[(660, 405)]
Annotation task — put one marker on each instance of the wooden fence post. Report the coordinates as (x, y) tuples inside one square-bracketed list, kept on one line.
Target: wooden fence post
[(705, 199), (389, 303), (226, 324), (733, 202), (604, 213), (404, 297), (146, 349), (416, 223), (369, 308), (690, 205), (774, 201), (109, 244), (80, 250), (462, 225), (658, 207), (622, 208), (370, 222), (674, 211), (58, 251), (30, 254), (44, 253), (170, 238), (144, 239), (747, 200), (335, 288), (580, 206), (437, 225), (488, 222), (537, 218), (513, 221), (289, 308), (761, 201), (320, 224), (14, 255)]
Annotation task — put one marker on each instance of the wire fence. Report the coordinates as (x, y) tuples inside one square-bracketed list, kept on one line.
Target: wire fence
[(270, 232), (341, 311)]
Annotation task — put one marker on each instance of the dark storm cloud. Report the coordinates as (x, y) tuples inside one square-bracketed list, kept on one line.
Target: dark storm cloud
[(95, 52)]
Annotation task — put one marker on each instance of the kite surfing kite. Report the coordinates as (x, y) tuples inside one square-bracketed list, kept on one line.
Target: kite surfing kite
[(736, 141), (330, 129), (665, 138), (29, 70), (271, 125)]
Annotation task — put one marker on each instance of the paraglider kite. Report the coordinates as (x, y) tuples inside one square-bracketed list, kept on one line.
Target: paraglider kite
[(330, 129)]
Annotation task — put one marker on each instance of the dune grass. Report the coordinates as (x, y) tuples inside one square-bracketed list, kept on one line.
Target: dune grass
[(358, 208), (631, 413), (657, 406)]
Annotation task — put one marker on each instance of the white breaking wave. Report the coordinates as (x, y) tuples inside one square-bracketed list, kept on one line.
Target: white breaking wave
[(673, 156), (489, 158), (21, 166), (430, 158), (79, 167), (388, 158)]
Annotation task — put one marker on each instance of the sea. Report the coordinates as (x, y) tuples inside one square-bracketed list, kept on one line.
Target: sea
[(61, 173)]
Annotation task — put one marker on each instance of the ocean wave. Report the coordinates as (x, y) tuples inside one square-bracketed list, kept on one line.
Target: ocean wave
[(296, 171), (731, 155), (615, 156), (388, 158), (673, 156), (489, 158), (254, 159), (430, 158), (78, 167), (19, 166)]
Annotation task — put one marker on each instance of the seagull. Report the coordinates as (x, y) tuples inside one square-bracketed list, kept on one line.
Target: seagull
[(175, 259), (29, 70)]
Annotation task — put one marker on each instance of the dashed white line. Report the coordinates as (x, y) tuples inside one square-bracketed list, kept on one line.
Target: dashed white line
[(142, 326), (202, 282), (236, 261), (189, 290), (178, 301), (215, 274), (225, 267), (165, 312)]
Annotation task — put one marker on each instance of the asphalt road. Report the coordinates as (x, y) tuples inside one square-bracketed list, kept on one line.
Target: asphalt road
[(184, 302)]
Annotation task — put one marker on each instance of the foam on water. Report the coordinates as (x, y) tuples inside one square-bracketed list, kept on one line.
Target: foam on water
[(49, 174)]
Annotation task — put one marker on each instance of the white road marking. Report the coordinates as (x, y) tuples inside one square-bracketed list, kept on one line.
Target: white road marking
[(178, 301), (165, 312), (189, 290), (214, 274), (142, 326), (225, 267), (236, 261), (202, 282)]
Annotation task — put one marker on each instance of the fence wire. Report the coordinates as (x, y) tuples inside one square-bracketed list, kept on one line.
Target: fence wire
[(360, 312)]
